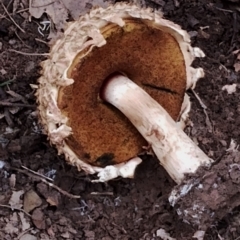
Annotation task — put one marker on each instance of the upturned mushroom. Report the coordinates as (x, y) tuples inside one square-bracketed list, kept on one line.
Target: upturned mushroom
[(152, 51), (133, 60)]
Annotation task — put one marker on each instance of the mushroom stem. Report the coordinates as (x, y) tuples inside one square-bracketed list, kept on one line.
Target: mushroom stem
[(177, 153)]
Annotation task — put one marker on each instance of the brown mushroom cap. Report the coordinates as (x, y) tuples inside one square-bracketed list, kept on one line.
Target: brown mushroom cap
[(102, 135), (155, 53)]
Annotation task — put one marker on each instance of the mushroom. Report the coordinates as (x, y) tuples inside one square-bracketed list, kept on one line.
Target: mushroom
[(153, 52), (131, 59)]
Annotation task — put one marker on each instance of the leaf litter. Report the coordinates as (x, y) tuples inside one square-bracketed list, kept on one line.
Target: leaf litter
[(59, 11)]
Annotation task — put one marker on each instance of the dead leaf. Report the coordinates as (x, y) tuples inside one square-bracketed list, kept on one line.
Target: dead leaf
[(2, 163), (164, 235), (14, 110), (50, 232), (15, 201), (25, 223), (54, 9), (31, 201), (53, 200), (236, 51), (51, 196), (15, 5), (28, 237), (237, 67), (12, 180), (199, 235), (231, 88), (12, 226), (65, 235), (3, 71), (77, 8), (58, 11), (2, 115), (38, 219)]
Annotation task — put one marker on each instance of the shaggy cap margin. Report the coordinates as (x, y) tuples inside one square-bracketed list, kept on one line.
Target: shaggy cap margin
[(86, 33)]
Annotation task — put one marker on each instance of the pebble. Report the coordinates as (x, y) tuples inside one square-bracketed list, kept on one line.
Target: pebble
[(12, 41)]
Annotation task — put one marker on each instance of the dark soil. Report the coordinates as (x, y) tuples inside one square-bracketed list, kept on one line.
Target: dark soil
[(120, 209)]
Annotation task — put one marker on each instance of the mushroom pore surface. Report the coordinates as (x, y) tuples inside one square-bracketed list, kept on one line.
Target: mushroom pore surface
[(102, 135)]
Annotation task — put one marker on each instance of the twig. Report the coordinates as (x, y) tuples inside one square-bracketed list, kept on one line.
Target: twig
[(19, 11), (36, 173), (22, 10), (28, 54), (38, 178), (6, 83), (102, 193), (199, 99), (13, 208), (17, 96), (40, 40), (9, 104), (224, 10), (5, 9), (204, 107)]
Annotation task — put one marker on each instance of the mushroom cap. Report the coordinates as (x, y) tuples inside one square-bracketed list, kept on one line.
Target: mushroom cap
[(153, 52)]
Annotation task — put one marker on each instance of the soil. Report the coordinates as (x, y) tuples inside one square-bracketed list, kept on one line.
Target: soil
[(124, 208)]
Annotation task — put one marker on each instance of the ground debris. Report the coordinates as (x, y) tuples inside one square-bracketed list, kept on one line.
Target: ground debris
[(164, 235), (59, 11), (13, 225), (231, 88), (28, 237), (15, 201), (38, 218), (31, 201), (24, 221)]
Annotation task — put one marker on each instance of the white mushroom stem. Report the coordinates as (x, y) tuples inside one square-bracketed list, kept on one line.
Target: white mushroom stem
[(177, 153)]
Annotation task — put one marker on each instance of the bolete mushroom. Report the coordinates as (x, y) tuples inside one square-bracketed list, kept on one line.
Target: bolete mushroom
[(86, 81), (152, 51)]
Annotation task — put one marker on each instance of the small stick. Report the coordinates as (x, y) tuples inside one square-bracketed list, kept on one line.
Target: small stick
[(9, 104), (19, 11), (60, 190), (17, 96), (46, 182), (38, 174), (5, 9), (224, 10), (204, 107), (102, 193), (40, 40), (13, 208), (28, 54), (6, 83)]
